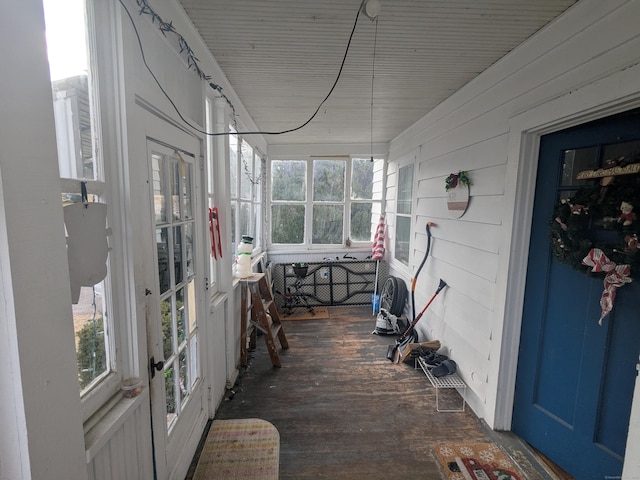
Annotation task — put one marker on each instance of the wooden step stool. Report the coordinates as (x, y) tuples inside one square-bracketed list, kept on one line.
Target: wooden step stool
[(260, 315)]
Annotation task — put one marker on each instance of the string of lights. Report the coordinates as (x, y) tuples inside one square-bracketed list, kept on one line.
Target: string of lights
[(193, 64)]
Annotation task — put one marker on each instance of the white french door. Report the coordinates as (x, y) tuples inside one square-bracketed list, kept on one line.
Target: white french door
[(175, 313)]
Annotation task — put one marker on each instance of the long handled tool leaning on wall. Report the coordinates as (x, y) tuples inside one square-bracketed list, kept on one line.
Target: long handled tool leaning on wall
[(415, 277), (395, 352)]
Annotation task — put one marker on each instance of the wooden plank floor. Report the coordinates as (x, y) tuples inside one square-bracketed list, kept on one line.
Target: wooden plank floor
[(342, 409)]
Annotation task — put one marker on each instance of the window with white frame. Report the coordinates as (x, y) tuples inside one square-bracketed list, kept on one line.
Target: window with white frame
[(325, 201), (215, 242), (245, 166), (80, 163), (403, 214)]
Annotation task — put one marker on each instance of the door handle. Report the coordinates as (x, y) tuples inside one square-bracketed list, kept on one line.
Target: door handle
[(155, 366)]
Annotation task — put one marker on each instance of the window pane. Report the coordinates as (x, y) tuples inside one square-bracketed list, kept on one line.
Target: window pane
[(177, 255), (255, 225), (233, 224), (378, 178), (184, 381), (575, 161), (181, 315), (193, 364), (328, 180), (245, 219), (405, 187), (361, 179), (162, 244), (361, 222), (257, 171), (210, 146), (289, 180), (246, 170), (328, 224), (188, 229), (88, 321), (176, 179), (160, 189), (403, 232), (187, 172), (191, 306), (166, 311), (287, 223), (233, 165), (170, 392), (72, 90), (71, 108)]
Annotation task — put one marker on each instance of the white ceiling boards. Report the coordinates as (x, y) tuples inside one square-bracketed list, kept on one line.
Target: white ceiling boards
[(282, 57)]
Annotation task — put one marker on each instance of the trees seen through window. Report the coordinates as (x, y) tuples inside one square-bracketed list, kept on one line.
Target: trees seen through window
[(324, 201)]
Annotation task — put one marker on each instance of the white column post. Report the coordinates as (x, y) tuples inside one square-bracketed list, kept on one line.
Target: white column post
[(41, 416)]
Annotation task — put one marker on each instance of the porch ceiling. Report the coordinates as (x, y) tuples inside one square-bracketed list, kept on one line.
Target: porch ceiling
[(282, 57)]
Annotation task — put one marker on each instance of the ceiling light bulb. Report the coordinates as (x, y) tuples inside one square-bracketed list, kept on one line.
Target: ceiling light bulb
[(372, 8)]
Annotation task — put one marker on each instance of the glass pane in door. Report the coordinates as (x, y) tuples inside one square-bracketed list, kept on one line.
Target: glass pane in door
[(177, 254), (162, 244), (176, 177), (180, 306), (159, 180), (167, 327), (170, 392), (187, 207), (191, 295)]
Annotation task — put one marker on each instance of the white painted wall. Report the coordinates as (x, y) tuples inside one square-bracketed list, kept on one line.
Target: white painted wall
[(583, 66)]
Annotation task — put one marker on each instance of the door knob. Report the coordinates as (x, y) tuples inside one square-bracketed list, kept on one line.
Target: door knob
[(155, 366)]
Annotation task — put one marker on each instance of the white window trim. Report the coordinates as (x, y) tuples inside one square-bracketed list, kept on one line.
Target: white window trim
[(255, 201), (105, 62), (412, 219)]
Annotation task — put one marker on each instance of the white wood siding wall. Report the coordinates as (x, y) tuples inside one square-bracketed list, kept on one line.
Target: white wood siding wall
[(582, 66), (122, 451)]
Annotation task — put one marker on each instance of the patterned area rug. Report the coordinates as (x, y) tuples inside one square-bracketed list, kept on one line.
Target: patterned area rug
[(476, 461), (240, 449)]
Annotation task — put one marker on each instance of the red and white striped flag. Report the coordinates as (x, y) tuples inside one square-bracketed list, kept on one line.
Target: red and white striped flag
[(378, 241)]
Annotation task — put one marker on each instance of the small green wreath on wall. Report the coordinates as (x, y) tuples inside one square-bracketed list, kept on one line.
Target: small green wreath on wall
[(457, 188), (452, 181)]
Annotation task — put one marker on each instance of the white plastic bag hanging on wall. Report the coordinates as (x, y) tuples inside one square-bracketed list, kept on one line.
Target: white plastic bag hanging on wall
[(87, 247)]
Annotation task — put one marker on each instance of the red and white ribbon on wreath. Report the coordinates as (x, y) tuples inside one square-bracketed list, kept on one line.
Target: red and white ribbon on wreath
[(615, 276)]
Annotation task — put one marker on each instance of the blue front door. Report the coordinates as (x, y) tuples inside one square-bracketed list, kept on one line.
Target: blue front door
[(575, 379)]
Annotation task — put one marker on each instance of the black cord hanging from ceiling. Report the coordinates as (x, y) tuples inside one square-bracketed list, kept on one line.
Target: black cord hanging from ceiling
[(192, 62)]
